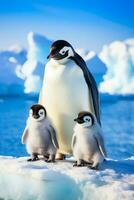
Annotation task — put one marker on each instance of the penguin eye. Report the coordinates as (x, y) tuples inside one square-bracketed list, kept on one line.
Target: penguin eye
[(41, 112), (62, 52), (87, 119)]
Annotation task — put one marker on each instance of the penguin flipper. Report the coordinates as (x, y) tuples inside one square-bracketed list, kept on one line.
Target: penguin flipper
[(101, 145), (91, 83), (24, 136), (53, 137)]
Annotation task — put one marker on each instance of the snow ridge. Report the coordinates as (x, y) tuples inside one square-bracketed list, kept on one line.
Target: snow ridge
[(41, 180)]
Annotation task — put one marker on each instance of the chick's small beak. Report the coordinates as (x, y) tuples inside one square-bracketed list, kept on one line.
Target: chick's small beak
[(78, 120), (36, 116)]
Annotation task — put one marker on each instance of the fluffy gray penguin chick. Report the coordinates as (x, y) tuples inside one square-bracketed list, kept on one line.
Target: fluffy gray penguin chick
[(39, 135), (87, 141)]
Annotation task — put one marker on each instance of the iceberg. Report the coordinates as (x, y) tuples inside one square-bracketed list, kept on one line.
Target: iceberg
[(22, 180), (32, 70), (119, 60), (21, 70), (10, 59)]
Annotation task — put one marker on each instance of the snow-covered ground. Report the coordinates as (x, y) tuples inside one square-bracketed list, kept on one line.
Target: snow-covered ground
[(39, 180)]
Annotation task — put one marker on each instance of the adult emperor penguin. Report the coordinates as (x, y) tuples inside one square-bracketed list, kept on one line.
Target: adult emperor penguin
[(87, 141), (68, 88)]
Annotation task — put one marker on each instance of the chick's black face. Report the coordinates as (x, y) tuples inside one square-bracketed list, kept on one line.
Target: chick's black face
[(60, 50), (85, 117), (37, 112)]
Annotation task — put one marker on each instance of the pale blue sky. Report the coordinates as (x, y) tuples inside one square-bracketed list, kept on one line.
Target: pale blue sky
[(88, 24)]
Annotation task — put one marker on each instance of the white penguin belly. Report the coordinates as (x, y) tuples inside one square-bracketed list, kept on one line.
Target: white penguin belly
[(38, 140), (36, 145), (85, 147), (65, 94)]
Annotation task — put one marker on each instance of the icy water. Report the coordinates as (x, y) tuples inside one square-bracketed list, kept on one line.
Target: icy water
[(117, 121)]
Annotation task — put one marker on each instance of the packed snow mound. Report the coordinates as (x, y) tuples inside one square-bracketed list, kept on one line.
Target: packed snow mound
[(9, 61), (40, 180), (33, 69), (119, 59)]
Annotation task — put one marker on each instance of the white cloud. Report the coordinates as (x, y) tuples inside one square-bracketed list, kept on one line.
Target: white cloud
[(119, 59)]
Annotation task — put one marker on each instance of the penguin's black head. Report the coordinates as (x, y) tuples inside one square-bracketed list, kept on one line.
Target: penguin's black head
[(61, 50), (85, 118), (38, 112)]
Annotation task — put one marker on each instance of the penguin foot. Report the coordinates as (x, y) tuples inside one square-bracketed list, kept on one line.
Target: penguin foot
[(75, 164), (46, 160), (78, 165), (46, 157), (94, 167), (86, 164), (32, 159), (49, 161)]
